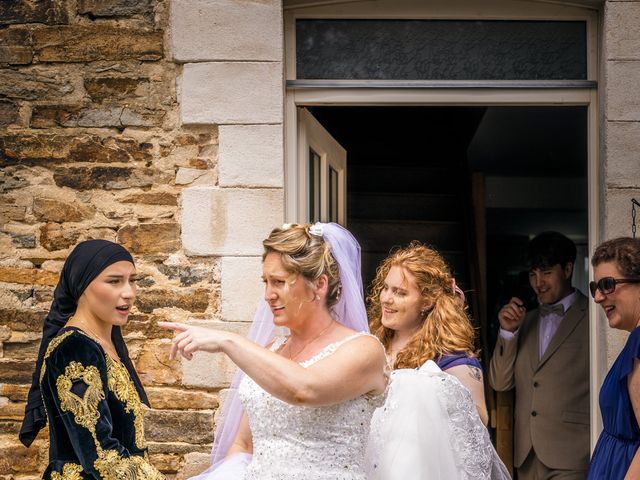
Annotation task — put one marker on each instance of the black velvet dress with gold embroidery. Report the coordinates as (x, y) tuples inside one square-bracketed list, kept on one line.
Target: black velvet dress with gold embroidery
[(94, 411)]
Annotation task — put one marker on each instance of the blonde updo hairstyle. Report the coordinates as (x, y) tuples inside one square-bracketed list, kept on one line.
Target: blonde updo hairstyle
[(305, 254), (445, 329)]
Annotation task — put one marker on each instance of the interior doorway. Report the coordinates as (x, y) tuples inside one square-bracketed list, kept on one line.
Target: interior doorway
[(476, 183)]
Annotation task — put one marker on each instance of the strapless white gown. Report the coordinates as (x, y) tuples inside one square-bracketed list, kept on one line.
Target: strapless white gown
[(310, 443), (429, 429)]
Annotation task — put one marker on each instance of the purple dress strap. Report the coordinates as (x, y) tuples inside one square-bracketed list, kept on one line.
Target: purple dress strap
[(445, 362)]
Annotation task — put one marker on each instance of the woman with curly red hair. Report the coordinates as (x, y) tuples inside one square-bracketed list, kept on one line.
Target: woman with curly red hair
[(433, 423), (419, 314)]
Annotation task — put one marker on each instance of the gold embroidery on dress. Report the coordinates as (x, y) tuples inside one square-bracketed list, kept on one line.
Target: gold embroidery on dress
[(70, 471), (53, 344), (121, 385), (85, 409), (112, 466)]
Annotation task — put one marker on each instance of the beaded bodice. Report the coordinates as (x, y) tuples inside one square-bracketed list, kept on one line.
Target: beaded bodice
[(314, 443)]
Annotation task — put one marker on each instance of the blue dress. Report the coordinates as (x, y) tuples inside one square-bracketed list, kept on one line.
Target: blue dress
[(620, 438)]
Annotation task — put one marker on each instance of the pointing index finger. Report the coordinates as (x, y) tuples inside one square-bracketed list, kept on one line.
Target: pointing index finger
[(180, 327)]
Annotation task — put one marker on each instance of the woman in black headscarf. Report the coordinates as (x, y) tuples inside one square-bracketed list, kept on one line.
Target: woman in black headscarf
[(84, 382)]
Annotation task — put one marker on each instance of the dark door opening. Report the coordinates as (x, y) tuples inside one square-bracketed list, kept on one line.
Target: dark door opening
[(476, 183)]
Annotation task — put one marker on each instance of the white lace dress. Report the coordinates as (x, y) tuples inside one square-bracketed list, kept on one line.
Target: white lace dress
[(429, 429), (310, 443)]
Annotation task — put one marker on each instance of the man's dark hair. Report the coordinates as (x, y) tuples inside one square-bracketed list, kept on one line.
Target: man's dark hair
[(550, 248)]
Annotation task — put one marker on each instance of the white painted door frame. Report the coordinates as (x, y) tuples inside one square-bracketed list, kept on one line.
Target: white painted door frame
[(460, 93)]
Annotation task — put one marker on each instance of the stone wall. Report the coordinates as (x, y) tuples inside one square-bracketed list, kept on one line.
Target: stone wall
[(94, 144), (620, 153)]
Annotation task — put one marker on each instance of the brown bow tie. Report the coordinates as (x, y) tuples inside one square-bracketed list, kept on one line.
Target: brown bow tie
[(557, 309)]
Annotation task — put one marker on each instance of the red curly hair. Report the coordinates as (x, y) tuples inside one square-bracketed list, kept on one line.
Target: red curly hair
[(446, 328)]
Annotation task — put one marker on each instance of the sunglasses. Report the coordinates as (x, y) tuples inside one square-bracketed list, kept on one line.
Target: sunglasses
[(607, 285)]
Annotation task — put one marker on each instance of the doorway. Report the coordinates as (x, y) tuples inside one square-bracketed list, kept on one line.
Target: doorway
[(476, 183)]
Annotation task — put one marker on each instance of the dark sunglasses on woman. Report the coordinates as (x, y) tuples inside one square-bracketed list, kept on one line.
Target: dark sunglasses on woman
[(607, 285)]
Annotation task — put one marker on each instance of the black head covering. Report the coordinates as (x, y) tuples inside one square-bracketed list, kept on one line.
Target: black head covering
[(83, 264)]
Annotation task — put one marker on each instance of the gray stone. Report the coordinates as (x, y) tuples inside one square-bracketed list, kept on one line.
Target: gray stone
[(33, 86), (242, 30), (229, 221), (50, 12), (254, 96), (622, 101), (115, 8), (622, 30)]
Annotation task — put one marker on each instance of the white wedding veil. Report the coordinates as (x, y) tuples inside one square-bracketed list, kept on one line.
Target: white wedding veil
[(350, 311)]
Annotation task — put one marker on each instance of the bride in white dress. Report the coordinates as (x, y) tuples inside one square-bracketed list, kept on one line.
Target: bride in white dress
[(307, 398), (430, 426)]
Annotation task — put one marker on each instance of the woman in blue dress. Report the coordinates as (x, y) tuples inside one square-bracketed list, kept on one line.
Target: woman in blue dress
[(616, 288)]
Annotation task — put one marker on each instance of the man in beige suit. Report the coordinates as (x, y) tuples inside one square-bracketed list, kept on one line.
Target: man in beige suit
[(544, 355)]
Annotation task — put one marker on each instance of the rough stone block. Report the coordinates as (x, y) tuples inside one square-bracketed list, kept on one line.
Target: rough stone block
[(28, 276), (176, 426), (622, 30), (229, 221), (241, 287), (150, 237), (208, 370), (79, 43), (108, 178), (164, 398), (242, 30), (185, 176), (623, 164), (254, 96), (51, 12), (112, 88), (115, 8), (195, 300), (54, 236), (49, 148), (39, 85), (23, 240), (166, 462), (153, 364), (242, 147), (8, 112), (194, 464), (47, 116), (23, 320), (16, 371), (15, 46), (52, 210), (622, 100), (15, 393), (152, 198)]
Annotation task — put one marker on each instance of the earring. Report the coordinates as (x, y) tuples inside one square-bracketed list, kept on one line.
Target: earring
[(317, 297), (423, 312)]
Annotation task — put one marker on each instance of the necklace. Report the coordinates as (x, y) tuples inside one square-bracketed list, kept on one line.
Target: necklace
[(324, 330), (108, 348)]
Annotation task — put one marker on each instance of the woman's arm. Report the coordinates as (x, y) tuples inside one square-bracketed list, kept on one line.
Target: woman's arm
[(356, 368), (633, 383), (471, 377), (243, 443)]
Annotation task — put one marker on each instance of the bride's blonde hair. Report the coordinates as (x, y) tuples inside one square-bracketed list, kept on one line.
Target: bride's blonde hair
[(445, 328), (305, 254)]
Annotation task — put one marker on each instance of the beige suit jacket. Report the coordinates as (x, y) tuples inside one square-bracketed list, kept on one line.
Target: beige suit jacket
[(552, 392)]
